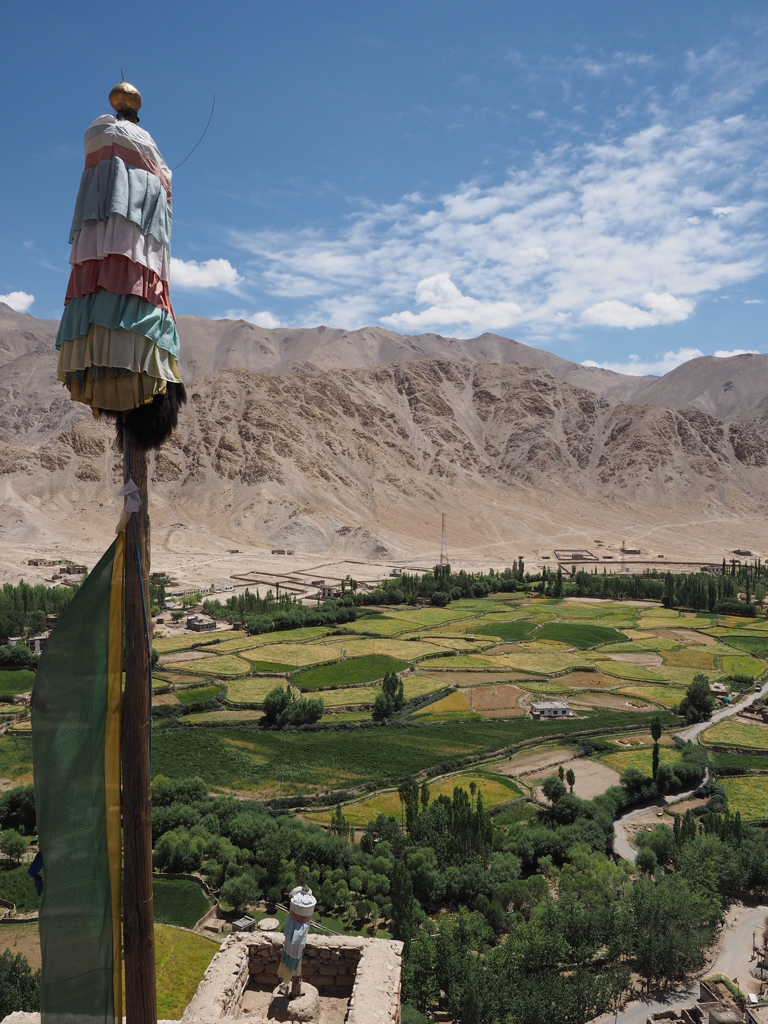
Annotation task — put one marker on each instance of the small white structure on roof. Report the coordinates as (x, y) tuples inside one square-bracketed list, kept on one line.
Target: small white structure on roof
[(551, 709)]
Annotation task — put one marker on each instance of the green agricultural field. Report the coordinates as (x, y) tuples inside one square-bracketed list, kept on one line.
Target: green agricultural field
[(347, 672), (731, 733), (641, 643), (625, 669), (18, 887), (579, 635), (340, 697), (755, 762), (495, 789), (227, 715), (252, 690), (669, 696), (181, 959), (256, 760), (182, 642), (15, 758), (692, 657), (747, 794), (179, 902), (383, 625), (466, 661), (742, 665), (413, 686), (197, 693), (242, 642), (13, 681), (226, 665), (640, 759), (539, 662), (510, 632), (547, 685), (334, 717), (757, 646)]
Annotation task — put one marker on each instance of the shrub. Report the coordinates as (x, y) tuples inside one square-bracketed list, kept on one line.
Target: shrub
[(281, 708), (19, 986), (238, 892)]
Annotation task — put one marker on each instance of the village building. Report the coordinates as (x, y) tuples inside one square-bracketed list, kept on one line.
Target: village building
[(551, 709), (200, 623)]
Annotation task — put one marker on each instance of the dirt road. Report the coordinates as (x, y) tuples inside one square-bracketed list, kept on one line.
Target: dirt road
[(732, 960), (624, 824)]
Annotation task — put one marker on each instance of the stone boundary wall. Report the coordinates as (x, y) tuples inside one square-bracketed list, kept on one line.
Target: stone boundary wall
[(368, 968)]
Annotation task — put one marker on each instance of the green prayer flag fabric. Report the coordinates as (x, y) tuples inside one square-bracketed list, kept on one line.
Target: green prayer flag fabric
[(76, 703)]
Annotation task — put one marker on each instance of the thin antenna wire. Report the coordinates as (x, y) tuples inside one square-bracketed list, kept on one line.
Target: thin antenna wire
[(122, 76), (189, 154)]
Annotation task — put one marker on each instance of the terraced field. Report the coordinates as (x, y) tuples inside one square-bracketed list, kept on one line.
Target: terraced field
[(495, 790), (733, 733), (747, 794)]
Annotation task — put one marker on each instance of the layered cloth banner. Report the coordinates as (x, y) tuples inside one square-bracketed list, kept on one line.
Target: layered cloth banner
[(296, 930), (118, 345), (76, 707)]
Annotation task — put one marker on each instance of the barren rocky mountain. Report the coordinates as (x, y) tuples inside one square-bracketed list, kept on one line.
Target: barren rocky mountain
[(215, 344), (362, 461), (729, 388)]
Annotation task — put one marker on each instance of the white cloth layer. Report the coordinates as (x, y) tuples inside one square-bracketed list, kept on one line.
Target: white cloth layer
[(123, 238)]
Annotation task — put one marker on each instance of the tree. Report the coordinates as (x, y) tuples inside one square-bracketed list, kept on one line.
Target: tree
[(401, 899), (282, 707), (656, 734), (241, 890), (17, 810), (339, 825), (19, 986), (570, 777), (646, 860), (424, 796), (561, 773), (553, 789), (699, 702), (13, 845), (391, 698)]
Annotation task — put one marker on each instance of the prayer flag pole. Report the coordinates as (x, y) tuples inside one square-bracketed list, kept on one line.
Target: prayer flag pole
[(138, 923), (119, 354)]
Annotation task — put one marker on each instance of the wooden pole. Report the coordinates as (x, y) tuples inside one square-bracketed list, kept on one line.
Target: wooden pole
[(138, 924)]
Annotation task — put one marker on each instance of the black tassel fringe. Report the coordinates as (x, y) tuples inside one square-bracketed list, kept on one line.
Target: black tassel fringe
[(152, 424)]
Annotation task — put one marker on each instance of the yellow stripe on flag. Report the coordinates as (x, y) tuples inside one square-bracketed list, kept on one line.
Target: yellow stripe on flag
[(112, 763)]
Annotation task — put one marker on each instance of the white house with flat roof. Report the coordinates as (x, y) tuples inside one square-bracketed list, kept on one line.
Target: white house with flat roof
[(551, 709)]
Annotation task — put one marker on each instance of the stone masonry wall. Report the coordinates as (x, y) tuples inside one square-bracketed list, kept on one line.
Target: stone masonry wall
[(369, 970), (331, 970)]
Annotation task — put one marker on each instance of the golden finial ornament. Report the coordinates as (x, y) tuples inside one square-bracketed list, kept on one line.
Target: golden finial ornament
[(125, 97)]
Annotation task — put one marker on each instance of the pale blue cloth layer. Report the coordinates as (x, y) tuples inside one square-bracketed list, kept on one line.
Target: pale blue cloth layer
[(118, 312), (113, 186), (290, 962)]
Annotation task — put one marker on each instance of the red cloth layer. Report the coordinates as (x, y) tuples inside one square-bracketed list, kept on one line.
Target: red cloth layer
[(130, 156), (121, 276)]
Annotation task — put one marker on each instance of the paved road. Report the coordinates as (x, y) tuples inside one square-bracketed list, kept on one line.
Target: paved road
[(621, 843), (733, 961)]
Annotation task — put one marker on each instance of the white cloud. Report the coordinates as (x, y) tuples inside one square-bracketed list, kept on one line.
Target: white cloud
[(620, 233), (449, 306), (262, 319), (724, 211), (726, 354), (638, 367), (754, 302), (190, 274), (662, 309), (19, 301)]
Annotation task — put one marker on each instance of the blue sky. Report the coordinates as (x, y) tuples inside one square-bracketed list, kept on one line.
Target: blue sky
[(589, 178)]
